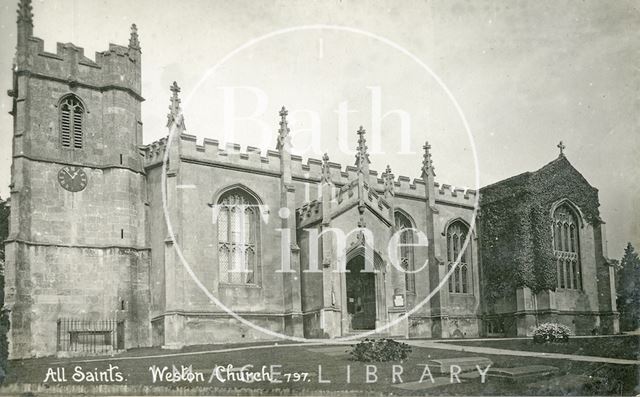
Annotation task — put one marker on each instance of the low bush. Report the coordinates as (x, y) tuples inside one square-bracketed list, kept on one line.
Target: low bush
[(551, 332), (611, 380), (380, 350)]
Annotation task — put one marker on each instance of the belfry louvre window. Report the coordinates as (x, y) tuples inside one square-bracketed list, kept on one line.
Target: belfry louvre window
[(456, 235), (238, 224), (404, 226), (566, 248), (71, 122)]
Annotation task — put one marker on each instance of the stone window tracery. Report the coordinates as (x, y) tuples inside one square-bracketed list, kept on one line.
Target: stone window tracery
[(404, 225), (456, 236), (238, 230), (566, 248)]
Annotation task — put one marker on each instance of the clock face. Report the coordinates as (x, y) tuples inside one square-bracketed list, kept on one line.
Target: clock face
[(73, 179)]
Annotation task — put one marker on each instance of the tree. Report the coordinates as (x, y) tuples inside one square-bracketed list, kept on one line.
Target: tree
[(4, 317), (628, 286)]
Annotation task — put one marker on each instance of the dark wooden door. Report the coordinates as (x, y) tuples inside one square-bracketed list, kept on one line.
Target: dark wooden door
[(361, 295)]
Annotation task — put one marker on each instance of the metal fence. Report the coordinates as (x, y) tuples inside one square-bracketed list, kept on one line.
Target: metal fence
[(90, 336)]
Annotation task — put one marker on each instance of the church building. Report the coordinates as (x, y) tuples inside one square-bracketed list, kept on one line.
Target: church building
[(116, 244)]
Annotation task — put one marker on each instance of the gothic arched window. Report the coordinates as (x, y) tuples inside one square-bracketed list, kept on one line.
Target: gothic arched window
[(238, 230), (405, 226), (71, 122), (456, 236), (566, 247)]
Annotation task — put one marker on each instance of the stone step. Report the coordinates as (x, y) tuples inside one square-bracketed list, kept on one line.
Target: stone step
[(375, 335), (524, 372), (466, 364), (334, 351), (562, 385), (424, 385), (471, 375)]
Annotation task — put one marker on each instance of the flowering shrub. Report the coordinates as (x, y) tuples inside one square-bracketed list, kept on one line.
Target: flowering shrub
[(551, 332), (380, 350)]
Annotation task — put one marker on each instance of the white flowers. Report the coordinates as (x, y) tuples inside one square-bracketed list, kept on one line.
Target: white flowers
[(550, 332)]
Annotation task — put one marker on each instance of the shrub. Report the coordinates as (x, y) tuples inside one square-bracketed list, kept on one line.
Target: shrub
[(551, 332), (380, 350), (612, 380)]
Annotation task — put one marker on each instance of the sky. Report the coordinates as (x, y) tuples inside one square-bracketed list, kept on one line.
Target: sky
[(523, 74)]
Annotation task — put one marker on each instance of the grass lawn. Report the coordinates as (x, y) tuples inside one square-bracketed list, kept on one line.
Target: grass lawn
[(303, 359), (627, 347)]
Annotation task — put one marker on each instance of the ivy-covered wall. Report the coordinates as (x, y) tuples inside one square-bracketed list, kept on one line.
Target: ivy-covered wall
[(4, 315), (515, 226)]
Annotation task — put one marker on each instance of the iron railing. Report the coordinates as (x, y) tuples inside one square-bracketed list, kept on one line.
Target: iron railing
[(90, 336)]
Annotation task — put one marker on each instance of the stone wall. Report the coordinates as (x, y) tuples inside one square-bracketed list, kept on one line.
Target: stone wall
[(204, 170), (51, 282)]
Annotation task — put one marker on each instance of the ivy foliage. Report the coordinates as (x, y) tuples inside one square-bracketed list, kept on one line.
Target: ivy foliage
[(4, 318), (516, 226)]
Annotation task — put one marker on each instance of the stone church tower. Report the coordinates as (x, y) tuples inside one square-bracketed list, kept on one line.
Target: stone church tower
[(76, 245)]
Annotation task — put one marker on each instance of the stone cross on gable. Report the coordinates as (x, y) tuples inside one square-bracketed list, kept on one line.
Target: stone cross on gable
[(361, 138), (362, 157), (387, 179), (25, 11), (284, 130), (427, 163), (326, 172), (175, 100), (175, 112), (561, 146)]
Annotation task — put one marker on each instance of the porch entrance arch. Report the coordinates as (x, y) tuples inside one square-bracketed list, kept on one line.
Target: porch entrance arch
[(364, 307), (361, 295)]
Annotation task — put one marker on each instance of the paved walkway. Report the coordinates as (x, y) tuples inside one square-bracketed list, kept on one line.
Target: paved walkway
[(194, 353), (202, 352), (431, 344), (626, 334), (520, 353)]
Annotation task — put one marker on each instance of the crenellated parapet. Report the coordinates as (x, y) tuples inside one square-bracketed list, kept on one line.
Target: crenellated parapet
[(309, 213), (212, 152), (153, 153), (116, 68), (230, 155), (345, 197), (451, 193)]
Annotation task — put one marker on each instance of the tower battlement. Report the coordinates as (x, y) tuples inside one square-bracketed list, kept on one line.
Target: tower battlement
[(118, 67)]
